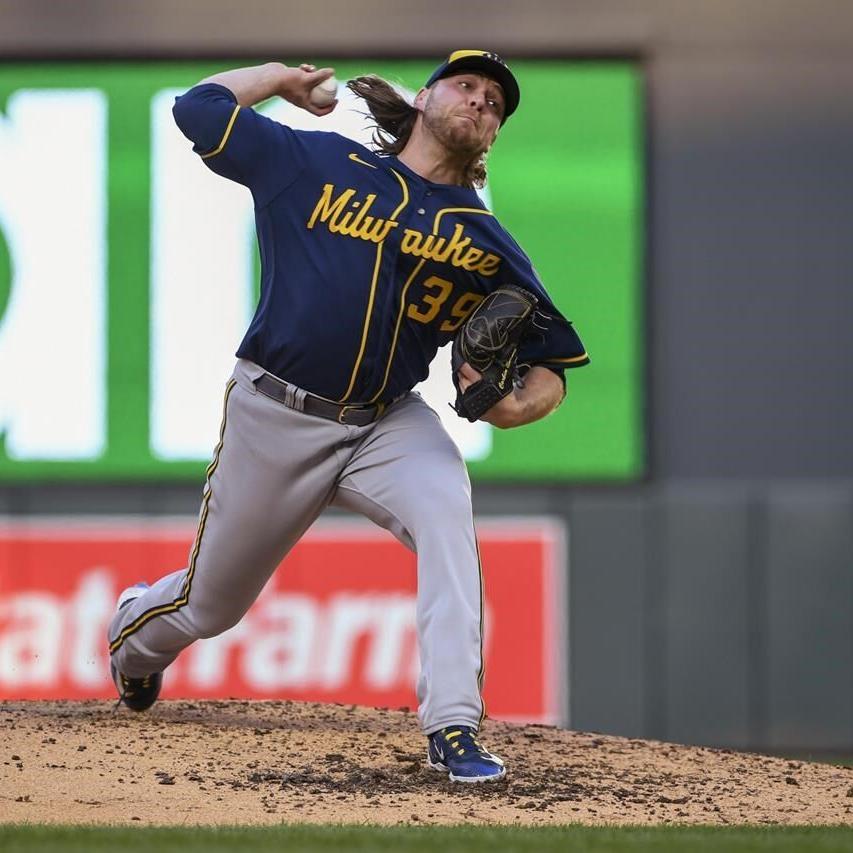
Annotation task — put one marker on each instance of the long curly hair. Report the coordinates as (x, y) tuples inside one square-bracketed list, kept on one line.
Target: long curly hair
[(395, 119)]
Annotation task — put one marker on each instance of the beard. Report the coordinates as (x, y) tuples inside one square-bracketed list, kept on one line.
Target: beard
[(457, 135)]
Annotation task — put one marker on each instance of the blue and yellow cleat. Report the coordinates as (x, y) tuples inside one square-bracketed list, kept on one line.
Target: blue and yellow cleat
[(455, 750)]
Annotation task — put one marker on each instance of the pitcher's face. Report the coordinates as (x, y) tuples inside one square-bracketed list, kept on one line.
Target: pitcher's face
[(463, 112)]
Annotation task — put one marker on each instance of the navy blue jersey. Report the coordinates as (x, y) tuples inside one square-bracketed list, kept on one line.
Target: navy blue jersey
[(366, 268)]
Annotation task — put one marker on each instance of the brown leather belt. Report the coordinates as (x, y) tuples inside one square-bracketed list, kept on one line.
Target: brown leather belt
[(313, 405)]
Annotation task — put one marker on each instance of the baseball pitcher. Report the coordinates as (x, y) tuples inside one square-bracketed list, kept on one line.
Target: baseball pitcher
[(371, 259)]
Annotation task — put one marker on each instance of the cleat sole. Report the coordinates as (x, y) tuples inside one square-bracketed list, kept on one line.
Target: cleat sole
[(442, 768)]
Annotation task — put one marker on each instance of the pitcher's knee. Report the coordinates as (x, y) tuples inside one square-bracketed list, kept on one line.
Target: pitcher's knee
[(207, 623), (449, 508), (448, 486)]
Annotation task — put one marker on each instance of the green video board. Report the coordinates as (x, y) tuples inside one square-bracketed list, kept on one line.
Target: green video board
[(119, 315)]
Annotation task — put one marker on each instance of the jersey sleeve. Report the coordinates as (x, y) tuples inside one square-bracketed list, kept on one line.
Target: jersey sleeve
[(552, 340), (238, 143)]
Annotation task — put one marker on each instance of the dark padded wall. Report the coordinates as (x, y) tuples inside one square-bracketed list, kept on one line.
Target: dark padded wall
[(753, 267)]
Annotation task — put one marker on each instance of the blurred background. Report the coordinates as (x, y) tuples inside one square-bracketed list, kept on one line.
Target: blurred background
[(680, 174)]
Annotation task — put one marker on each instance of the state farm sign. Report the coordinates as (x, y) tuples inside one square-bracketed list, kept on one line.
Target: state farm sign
[(335, 624)]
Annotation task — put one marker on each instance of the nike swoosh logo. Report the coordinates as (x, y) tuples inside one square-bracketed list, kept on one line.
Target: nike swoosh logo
[(356, 159)]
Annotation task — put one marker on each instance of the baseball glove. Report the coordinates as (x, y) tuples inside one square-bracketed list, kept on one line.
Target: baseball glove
[(489, 341)]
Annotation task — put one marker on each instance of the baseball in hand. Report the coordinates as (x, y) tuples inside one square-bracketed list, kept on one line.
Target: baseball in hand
[(323, 94)]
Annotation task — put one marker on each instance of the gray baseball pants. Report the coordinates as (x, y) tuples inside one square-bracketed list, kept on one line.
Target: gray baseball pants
[(274, 471)]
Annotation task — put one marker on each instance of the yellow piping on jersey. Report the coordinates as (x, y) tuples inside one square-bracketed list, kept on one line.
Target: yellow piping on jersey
[(369, 312), (397, 329), (184, 597), (224, 136), (457, 210)]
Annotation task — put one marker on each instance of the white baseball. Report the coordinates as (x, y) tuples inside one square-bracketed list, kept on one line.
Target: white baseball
[(323, 94)]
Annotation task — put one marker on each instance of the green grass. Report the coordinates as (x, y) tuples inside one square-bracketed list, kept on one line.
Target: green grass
[(467, 839)]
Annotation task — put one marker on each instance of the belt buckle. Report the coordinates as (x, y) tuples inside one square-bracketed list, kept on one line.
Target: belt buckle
[(343, 413)]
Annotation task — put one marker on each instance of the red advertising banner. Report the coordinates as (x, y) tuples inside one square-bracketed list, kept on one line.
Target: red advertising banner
[(335, 624)]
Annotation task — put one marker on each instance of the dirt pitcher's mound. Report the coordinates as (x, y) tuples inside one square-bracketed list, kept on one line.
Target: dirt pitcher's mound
[(270, 762)]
